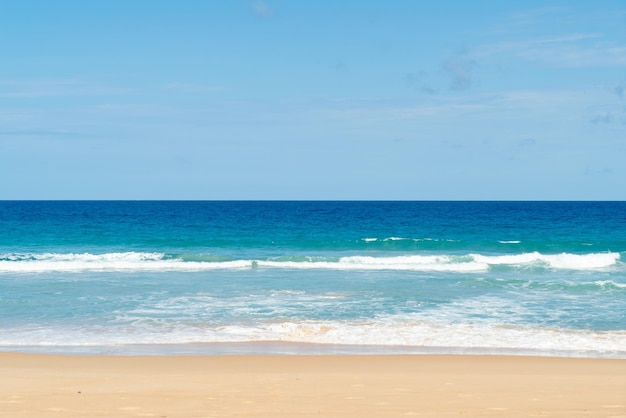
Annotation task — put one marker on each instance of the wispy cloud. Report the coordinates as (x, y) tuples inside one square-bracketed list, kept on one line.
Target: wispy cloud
[(603, 118), (54, 87), (192, 87), (543, 98), (573, 106), (420, 80), (374, 111), (262, 9), (459, 69), (574, 50), (534, 16), (591, 171), (527, 142), (615, 118), (36, 132)]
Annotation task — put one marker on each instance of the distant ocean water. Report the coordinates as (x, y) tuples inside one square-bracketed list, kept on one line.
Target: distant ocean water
[(125, 277)]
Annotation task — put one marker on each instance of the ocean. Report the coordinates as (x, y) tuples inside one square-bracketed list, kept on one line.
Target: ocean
[(229, 277)]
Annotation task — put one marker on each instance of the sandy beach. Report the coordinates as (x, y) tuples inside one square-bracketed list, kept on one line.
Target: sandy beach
[(328, 385)]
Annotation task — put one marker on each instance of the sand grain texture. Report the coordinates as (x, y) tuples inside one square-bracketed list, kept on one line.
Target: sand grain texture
[(329, 386)]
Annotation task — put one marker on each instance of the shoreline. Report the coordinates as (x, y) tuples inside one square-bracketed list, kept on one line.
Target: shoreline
[(36, 385), (296, 348)]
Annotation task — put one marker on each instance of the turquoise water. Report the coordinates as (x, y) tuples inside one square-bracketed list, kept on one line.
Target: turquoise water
[(545, 278)]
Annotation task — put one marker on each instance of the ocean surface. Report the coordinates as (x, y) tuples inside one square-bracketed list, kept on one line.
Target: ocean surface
[(194, 277)]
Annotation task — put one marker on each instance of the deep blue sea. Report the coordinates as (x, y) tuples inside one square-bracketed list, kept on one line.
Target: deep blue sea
[(193, 277)]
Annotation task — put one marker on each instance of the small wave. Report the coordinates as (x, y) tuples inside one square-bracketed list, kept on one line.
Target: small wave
[(564, 261), (413, 262), (610, 284), (387, 239), (373, 263), (550, 285), (510, 242), (127, 261)]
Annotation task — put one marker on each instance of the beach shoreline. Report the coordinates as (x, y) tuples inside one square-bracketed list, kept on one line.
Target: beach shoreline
[(299, 348), (36, 385)]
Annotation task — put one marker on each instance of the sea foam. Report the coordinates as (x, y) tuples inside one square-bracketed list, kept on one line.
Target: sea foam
[(140, 261), (384, 332), (556, 261)]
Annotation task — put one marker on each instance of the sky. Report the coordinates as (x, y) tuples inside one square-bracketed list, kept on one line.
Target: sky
[(324, 99)]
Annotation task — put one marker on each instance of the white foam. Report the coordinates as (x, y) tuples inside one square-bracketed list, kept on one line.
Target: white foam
[(429, 334), (138, 261), (557, 261), (411, 262), (386, 331), (128, 261), (372, 239), (610, 283), (408, 263)]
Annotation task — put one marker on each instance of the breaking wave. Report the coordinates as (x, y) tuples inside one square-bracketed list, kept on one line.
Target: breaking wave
[(153, 261)]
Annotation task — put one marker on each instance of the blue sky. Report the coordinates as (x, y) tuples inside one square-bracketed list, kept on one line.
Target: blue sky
[(320, 99)]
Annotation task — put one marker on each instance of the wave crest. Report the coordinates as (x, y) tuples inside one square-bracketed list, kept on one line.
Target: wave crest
[(152, 261)]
